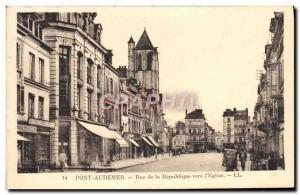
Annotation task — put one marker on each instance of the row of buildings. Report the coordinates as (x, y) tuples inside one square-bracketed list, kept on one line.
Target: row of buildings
[(269, 109), (195, 135), (72, 100), (265, 133)]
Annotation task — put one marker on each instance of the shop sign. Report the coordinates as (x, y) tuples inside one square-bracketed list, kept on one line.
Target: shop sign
[(41, 123), (27, 128)]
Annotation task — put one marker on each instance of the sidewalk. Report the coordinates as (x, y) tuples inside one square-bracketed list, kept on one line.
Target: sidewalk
[(139, 161), (120, 164)]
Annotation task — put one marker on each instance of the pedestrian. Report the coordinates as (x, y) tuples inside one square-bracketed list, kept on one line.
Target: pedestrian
[(62, 159), (243, 158), (248, 163)]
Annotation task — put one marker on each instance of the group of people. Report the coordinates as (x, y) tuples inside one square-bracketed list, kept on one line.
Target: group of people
[(231, 158)]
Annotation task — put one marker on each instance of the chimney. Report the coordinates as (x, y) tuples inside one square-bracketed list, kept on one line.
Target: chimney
[(185, 112), (234, 109)]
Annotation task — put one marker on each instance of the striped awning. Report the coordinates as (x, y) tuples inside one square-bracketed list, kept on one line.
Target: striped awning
[(152, 141), (104, 132), (122, 143), (145, 139), (134, 142)]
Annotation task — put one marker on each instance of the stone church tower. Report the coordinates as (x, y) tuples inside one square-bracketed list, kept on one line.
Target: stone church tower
[(143, 63)]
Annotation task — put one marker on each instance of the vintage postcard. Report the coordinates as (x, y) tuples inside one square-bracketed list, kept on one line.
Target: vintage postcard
[(150, 97)]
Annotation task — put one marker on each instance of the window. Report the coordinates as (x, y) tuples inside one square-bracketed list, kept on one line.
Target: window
[(90, 104), (64, 108), (42, 69), (106, 85), (228, 119), (89, 72), (99, 106), (20, 98), (30, 24), (140, 62), (248, 130), (19, 56), (64, 60), (41, 108), (31, 105), (194, 130), (79, 65), (149, 61), (79, 97), (32, 65), (190, 131), (40, 32), (125, 109), (98, 77), (111, 86)]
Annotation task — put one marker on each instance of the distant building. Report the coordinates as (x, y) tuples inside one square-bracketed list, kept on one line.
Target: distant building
[(234, 127), (218, 140), (196, 130)]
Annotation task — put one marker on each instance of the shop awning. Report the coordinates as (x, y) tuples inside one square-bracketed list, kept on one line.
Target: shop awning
[(105, 133), (145, 139), (122, 143), (21, 138), (98, 130), (153, 141), (134, 142)]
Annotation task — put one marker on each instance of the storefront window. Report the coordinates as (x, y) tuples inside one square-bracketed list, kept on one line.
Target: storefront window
[(44, 147)]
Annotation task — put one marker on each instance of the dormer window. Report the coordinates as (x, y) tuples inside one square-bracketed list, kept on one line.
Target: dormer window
[(30, 24)]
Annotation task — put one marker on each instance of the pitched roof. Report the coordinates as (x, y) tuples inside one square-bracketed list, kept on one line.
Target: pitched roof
[(228, 112), (131, 40), (196, 114), (144, 42)]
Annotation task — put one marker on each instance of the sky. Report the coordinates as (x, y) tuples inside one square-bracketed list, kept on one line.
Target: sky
[(213, 52)]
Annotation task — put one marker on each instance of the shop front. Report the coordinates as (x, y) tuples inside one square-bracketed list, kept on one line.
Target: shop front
[(34, 146), (146, 147), (99, 146), (133, 148)]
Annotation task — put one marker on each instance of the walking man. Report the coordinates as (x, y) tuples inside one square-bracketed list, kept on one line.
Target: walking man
[(62, 159), (243, 158)]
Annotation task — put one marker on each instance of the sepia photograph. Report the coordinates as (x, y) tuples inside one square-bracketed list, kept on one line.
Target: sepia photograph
[(150, 93)]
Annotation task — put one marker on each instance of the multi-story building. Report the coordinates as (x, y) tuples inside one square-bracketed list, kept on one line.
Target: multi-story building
[(32, 65), (269, 110), (234, 127), (240, 123), (68, 94), (211, 138), (228, 128), (196, 130), (218, 140), (81, 75)]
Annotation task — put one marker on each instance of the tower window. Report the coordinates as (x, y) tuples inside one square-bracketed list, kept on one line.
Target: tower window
[(149, 61), (140, 62)]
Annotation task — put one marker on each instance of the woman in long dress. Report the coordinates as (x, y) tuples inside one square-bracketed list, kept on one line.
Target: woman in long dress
[(248, 163)]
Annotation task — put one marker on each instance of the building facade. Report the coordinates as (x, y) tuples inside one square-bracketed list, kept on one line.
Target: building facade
[(196, 130), (32, 65), (69, 94), (269, 109), (234, 128)]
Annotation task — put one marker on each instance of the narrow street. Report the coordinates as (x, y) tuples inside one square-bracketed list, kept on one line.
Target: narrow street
[(184, 162)]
